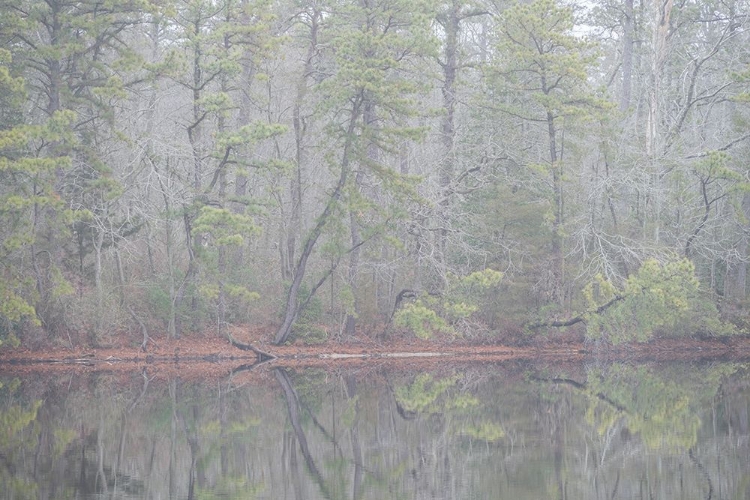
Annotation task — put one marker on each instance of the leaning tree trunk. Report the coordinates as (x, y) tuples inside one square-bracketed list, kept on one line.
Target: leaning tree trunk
[(292, 307), (289, 248)]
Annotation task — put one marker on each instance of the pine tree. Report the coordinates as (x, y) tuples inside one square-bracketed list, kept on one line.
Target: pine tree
[(374, 44), (540, 78), (75, 62), (26, 190)]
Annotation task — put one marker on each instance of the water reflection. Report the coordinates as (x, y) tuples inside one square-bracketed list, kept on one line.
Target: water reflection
[(504, 431)]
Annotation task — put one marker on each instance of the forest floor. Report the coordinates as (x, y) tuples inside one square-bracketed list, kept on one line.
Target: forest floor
[(210, 355)]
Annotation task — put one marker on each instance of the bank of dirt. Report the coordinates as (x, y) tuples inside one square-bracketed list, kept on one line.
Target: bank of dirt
[(211, 355)]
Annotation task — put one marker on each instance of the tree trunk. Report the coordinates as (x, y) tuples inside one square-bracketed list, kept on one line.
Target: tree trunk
[(653, 147), (351, 395), (169, 251), (372, 155), (300, 130), (451, 24), (222, 264), (558, 259), (221, 127), (195, 130), (293, 406), (189, 274), (98, 244), (627, 56), (735, 282), (291, 309), (351, 316), (195, 137)]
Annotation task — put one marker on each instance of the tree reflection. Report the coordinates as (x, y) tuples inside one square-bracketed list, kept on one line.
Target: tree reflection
[(293, 406), (17, 435), (660, 406), (650, 412), (505, 431)]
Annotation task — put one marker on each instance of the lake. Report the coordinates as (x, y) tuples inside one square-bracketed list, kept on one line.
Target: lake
[(516, 430)]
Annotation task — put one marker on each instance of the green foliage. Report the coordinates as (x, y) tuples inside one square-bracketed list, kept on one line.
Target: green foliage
[(420, 320), (543, 62), (236, 487), (226, 228), (63, 437), (482, 280), (656, 298), (431, 314), (486, 431), (742, 76), (14, 420), (370, 41), (26, 186), (311, 334), (662, 407), (19, 434), (160, 304), (715, 166), (211, 48), (55, 163), (375, 47), (309, 385), (249, 135), (308, 324), (9, 331), (349, 416), (428, 395)]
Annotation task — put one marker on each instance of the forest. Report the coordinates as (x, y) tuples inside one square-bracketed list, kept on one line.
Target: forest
[(328, 168)]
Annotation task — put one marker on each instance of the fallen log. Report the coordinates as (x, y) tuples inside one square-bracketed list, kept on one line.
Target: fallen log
[(262, 355)]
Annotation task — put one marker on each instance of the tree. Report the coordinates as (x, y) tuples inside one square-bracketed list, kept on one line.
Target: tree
[(540, 78), (218, 41), (74, 65), (374, 42), (661, 297), (662, 184), (451, 16), (27, 182)]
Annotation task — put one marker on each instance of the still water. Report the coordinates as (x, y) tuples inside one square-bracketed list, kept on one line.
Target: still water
[(516, 431)]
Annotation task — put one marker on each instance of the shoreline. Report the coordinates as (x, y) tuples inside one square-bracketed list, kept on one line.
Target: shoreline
[(214, 350)]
